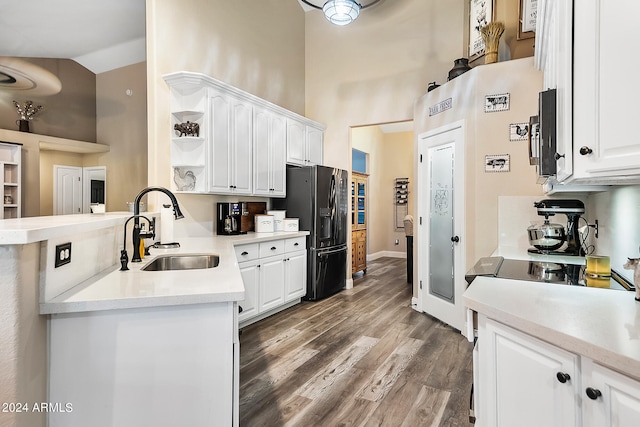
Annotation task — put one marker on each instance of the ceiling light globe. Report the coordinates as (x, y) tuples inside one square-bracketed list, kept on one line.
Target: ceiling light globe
[(341, 12)]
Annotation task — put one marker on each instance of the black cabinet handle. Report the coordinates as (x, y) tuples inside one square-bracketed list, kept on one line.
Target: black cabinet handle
[(563, 377), (593, 393), (296, 244), (245, 253), (584, 150), (455, 239), (273, 248), (558, 156)]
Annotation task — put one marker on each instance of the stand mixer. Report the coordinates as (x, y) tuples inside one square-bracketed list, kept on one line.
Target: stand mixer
[(548, 238)]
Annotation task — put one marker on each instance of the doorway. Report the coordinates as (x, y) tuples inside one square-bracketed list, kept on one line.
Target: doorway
[(77, 189), (389, 154)]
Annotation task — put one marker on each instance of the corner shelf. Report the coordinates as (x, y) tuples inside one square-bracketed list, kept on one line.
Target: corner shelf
[(10, 180)]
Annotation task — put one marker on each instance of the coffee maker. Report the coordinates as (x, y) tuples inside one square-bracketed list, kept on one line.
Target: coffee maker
[(229, 218), (550, 238)]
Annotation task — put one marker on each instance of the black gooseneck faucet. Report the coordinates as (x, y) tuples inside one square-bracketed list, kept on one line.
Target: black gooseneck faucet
[(136, 215)]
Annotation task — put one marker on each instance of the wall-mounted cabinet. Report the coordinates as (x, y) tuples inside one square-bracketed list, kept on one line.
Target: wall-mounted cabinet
[(304, 143), (582, 47), (269, 148), (243, 142), (10, 180)]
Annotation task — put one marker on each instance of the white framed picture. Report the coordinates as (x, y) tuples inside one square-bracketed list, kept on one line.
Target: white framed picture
[(529, 15), (498, 102), (519, 132), (496, 163), (480, 14)]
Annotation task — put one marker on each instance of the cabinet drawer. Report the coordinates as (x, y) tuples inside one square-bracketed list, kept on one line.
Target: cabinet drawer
[(247, 252), (274, 247), (295, 244)]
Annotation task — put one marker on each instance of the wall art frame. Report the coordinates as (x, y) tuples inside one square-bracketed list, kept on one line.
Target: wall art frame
[(497, 163), (480, 14), (527, 18)]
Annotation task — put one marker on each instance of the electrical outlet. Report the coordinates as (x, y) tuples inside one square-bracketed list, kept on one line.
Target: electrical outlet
[(63, 254), (397, 242)]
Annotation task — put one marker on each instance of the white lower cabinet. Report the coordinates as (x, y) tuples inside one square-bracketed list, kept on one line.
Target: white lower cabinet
[(271, 285), (609, 399), (295, 274), (274, 274), (157, 366), (523, 381)]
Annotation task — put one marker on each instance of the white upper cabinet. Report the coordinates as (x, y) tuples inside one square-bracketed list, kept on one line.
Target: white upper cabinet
[(304, 143), (269, 147), (231, 142), (606, 91), (583, 47), (236, 143)]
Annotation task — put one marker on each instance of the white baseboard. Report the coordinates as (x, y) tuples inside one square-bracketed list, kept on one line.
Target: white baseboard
[(414, 304), (349, 283), (389, 254)]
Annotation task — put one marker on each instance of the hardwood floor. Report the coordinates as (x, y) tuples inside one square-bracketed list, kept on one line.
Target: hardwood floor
[(362, 357)]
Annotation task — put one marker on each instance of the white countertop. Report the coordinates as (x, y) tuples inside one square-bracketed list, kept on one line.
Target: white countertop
[(601, 324), (115, 289), (20, 231)]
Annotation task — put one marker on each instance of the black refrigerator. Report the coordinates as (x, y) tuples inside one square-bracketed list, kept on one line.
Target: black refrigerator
[(318, 196)]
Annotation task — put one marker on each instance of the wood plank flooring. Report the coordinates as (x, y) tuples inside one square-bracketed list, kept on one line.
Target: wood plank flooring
[(362, 357)]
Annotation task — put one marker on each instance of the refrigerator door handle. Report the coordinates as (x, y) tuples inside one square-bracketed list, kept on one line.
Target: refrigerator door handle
[(332, 251)]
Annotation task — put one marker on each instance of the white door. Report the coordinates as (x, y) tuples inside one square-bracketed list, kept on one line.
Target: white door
[(67, 190), (295, 274), (441, 259), (271, 292)]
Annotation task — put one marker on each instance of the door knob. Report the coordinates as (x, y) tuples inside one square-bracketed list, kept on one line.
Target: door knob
[(593, 393), (563, 377), (585, 150), (455, 239)]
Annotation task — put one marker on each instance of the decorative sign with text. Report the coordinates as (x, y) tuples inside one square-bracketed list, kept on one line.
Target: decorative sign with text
[(440, 107)]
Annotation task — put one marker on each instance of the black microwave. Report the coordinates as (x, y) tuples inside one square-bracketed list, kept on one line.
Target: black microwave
[(542, 144)]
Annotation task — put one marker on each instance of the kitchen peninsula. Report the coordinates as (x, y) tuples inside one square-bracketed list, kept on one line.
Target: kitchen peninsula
[(121, 344), (555, 354)]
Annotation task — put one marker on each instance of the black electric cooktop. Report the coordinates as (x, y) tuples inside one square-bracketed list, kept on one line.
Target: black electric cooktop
[(544, 271)]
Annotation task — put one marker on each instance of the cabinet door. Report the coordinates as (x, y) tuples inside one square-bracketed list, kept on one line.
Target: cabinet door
[(605, 97), (295, 273), (278, 156), (270, 145), (617, 405), (296, 143), (271, 292), (231, 145), (519, 383), (314, 147), (250, 279), (220, 172), (242, 144), (261, 171)]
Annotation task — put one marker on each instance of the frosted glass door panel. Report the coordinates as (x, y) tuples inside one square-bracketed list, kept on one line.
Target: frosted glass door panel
[(441, 223)]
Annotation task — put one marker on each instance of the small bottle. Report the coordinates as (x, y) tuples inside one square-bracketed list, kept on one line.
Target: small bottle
[(142, 231)]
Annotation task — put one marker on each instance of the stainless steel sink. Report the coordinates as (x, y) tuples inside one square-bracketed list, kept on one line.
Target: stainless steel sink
[(182, 262)]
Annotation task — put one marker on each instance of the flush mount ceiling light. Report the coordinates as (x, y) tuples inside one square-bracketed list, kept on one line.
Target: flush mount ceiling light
[(19, 75), (341, 12)]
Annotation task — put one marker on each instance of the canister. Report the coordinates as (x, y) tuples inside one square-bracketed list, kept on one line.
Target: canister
[(278, 218), (264, 223), (291, 224)]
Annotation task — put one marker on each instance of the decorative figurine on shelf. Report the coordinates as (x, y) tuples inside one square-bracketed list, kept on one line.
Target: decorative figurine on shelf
[(184, 180), (188, 128), (27, 112), (634, 264)]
